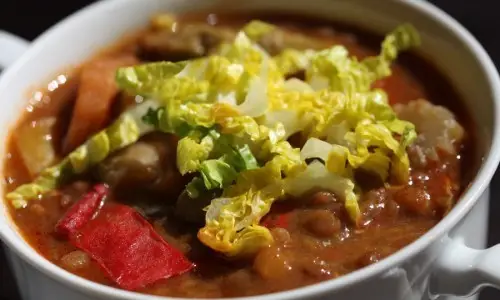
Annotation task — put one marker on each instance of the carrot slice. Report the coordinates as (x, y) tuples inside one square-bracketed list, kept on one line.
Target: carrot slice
[(96, 93)]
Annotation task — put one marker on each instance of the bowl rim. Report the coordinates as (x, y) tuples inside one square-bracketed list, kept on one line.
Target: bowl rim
[(467, 200)]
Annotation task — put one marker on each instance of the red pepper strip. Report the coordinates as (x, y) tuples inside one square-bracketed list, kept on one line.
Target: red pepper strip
[(277, 220), (82, 211), (127, 247)]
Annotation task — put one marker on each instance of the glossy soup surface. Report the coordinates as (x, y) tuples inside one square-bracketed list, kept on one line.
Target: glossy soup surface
[(318, 243)]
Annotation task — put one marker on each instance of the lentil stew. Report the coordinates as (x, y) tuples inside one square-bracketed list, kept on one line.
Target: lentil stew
[(215, 156)]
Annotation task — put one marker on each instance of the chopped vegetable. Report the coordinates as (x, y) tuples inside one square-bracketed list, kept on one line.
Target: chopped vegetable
[(332, 68), (147, 80), (275, 39), (164, 21), (257, 29), (123, 132), (291, 61), (217, 173), (48, 180), (82, 211), (317, 176), (280, 220), (191, 152), (402, 38), (128, 249), (96, 92), (232, 224), (233, 112), (437, 127), (226, 159), (232, 221), (34, 143)]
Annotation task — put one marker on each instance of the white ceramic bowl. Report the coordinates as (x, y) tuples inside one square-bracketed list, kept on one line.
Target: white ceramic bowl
[(435, 264)]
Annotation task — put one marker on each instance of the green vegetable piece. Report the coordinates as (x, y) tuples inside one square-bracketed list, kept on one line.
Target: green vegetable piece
[(123, 132), (257, 29), (147, 80), (317, 176), (292, 61), (153, 117), (79, 159), (45, 182), (402, 38), (217, 174), (191, 154), (98, 148)]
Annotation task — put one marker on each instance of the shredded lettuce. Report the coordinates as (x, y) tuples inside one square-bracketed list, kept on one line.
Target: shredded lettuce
[(47, 181), (191, 153), (402, 38), (123, 132), (361, 129), (149, 80), (164, 21), (256, 29), (317, 176), (292, 61), (218, 158), (217, 173), (232, 220), (232, 223), (243, 158), (334, 69)]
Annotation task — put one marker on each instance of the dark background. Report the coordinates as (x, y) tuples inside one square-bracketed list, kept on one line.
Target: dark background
[(29, 18)]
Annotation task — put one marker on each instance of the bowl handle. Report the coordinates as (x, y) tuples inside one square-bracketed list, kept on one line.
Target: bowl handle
[(11, 48), (463, 271)]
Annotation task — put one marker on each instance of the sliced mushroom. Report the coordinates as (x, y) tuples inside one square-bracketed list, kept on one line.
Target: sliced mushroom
[(189, 41), (150, 163)]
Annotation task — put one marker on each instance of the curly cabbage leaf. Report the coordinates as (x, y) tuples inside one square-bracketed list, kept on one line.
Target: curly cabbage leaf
[(218, 158), (259, 109), (402, 38), (192, 152), (256, 29), (316, 175), (217, 174), (232, 220), (148, 80), (292, 61), (232, 223), (334, 69), (123, 132)]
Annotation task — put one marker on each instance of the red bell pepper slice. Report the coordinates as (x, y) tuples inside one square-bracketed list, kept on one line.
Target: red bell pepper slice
[(279, 216), (82, 211), (129, 250), (277, 220)]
